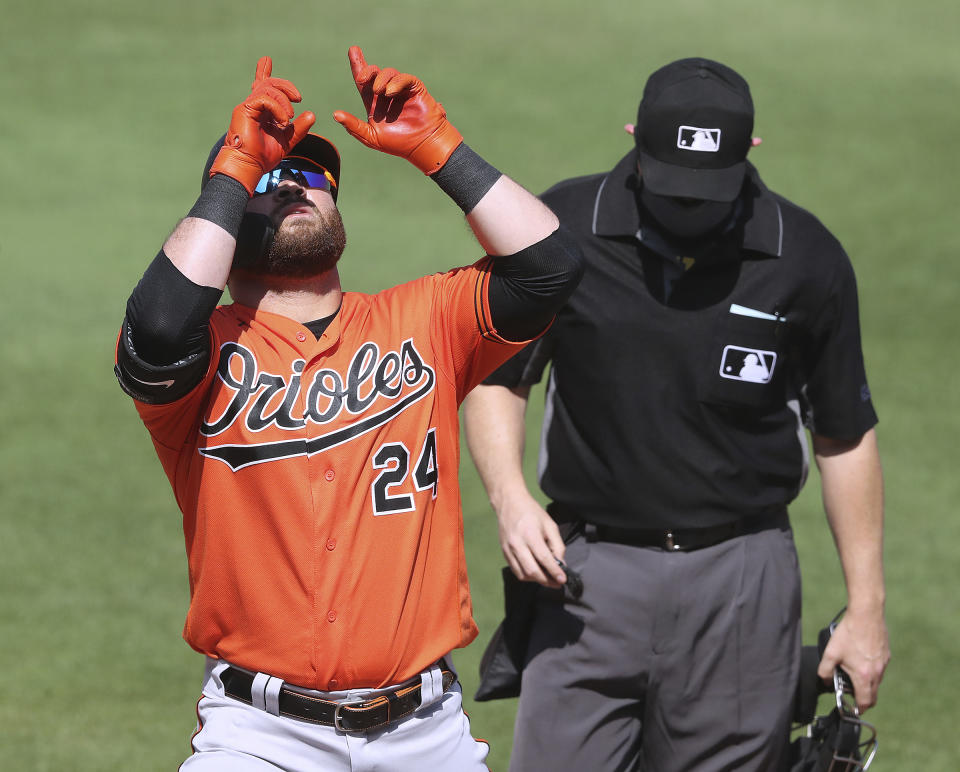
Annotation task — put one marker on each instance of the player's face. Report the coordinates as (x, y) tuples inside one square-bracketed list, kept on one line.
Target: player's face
[(290, 200), (309, 231)]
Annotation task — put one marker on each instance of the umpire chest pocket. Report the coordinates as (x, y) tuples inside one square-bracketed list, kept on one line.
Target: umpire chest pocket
[(743, 364)]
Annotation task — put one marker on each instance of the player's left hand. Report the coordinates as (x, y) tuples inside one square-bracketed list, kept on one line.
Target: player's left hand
[(402, 118), (860, 646)]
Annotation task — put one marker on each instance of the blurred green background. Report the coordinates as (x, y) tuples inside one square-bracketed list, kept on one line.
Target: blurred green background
[(108, 111)]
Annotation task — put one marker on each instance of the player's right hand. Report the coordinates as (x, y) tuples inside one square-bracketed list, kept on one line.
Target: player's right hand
[(531, 542), (262, 129)]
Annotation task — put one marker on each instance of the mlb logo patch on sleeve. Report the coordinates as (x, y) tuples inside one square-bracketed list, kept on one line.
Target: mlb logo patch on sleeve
[(748, 364), (696, 138)]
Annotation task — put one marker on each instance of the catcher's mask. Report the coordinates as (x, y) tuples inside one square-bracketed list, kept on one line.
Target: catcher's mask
[(839, 741)]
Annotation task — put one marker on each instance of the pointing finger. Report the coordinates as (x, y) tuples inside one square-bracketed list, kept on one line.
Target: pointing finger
[(264, 68), (357, 63)]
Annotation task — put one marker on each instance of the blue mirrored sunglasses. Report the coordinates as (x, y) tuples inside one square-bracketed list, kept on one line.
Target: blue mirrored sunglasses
[(302, 172)]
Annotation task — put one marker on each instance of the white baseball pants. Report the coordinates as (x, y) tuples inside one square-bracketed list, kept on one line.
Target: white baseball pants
[(234, 736)]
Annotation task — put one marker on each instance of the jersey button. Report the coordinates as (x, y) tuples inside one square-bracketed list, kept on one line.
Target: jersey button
[(332, 685), (331, 544), (329, 475), (331, 616), (301, 337)]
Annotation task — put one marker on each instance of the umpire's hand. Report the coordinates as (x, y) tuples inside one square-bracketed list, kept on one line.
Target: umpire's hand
[(530, 541), (860, 646)]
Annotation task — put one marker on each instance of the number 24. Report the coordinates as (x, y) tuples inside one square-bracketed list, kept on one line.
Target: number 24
[(394, 459)]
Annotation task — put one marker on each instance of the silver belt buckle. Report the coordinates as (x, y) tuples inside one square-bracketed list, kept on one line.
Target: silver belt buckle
[(337, 714)]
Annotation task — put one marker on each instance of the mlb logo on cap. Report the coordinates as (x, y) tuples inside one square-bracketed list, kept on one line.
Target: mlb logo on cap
[(695, 138)]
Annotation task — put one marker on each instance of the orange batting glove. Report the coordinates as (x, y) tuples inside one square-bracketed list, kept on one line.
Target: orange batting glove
[(262, 129), (402, 118)]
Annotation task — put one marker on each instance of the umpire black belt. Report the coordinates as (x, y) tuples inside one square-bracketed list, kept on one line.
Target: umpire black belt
[(676, 539), (347, 715)]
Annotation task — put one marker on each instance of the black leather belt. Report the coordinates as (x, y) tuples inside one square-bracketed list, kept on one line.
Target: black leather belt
[(348, 715), (678, 539)]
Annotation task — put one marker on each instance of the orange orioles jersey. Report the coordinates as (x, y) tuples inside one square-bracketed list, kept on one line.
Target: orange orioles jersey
[(318, 481)]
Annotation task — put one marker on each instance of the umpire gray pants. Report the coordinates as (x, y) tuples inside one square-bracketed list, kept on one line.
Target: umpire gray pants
[(669, 662)]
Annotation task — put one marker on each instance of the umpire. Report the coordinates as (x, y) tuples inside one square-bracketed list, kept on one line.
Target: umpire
[(716, 322)]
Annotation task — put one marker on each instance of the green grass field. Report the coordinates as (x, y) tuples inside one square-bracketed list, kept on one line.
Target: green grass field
[(108, 112)]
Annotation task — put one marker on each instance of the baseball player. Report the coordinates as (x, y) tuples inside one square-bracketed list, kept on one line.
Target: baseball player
[(311, 435)]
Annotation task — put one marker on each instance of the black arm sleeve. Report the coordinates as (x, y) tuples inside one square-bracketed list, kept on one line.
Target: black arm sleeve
[(164, 342), (528, 288), (168, 315), (164, 345)]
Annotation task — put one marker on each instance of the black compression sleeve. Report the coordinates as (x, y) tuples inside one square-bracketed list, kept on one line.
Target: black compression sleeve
[(527, 289), (222, 202), (168, 315), (466, 177)]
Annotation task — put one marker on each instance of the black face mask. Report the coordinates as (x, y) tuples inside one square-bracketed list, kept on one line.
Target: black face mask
[(686, 218)]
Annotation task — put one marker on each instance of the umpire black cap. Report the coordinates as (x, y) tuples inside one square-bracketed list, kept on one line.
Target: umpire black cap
[(314, 148), (693, 130)]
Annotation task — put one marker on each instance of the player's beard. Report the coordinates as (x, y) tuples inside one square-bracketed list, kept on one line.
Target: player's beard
[(305, 247)]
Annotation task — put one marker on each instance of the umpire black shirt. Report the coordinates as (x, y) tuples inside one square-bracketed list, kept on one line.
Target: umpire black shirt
[(681, 384)]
